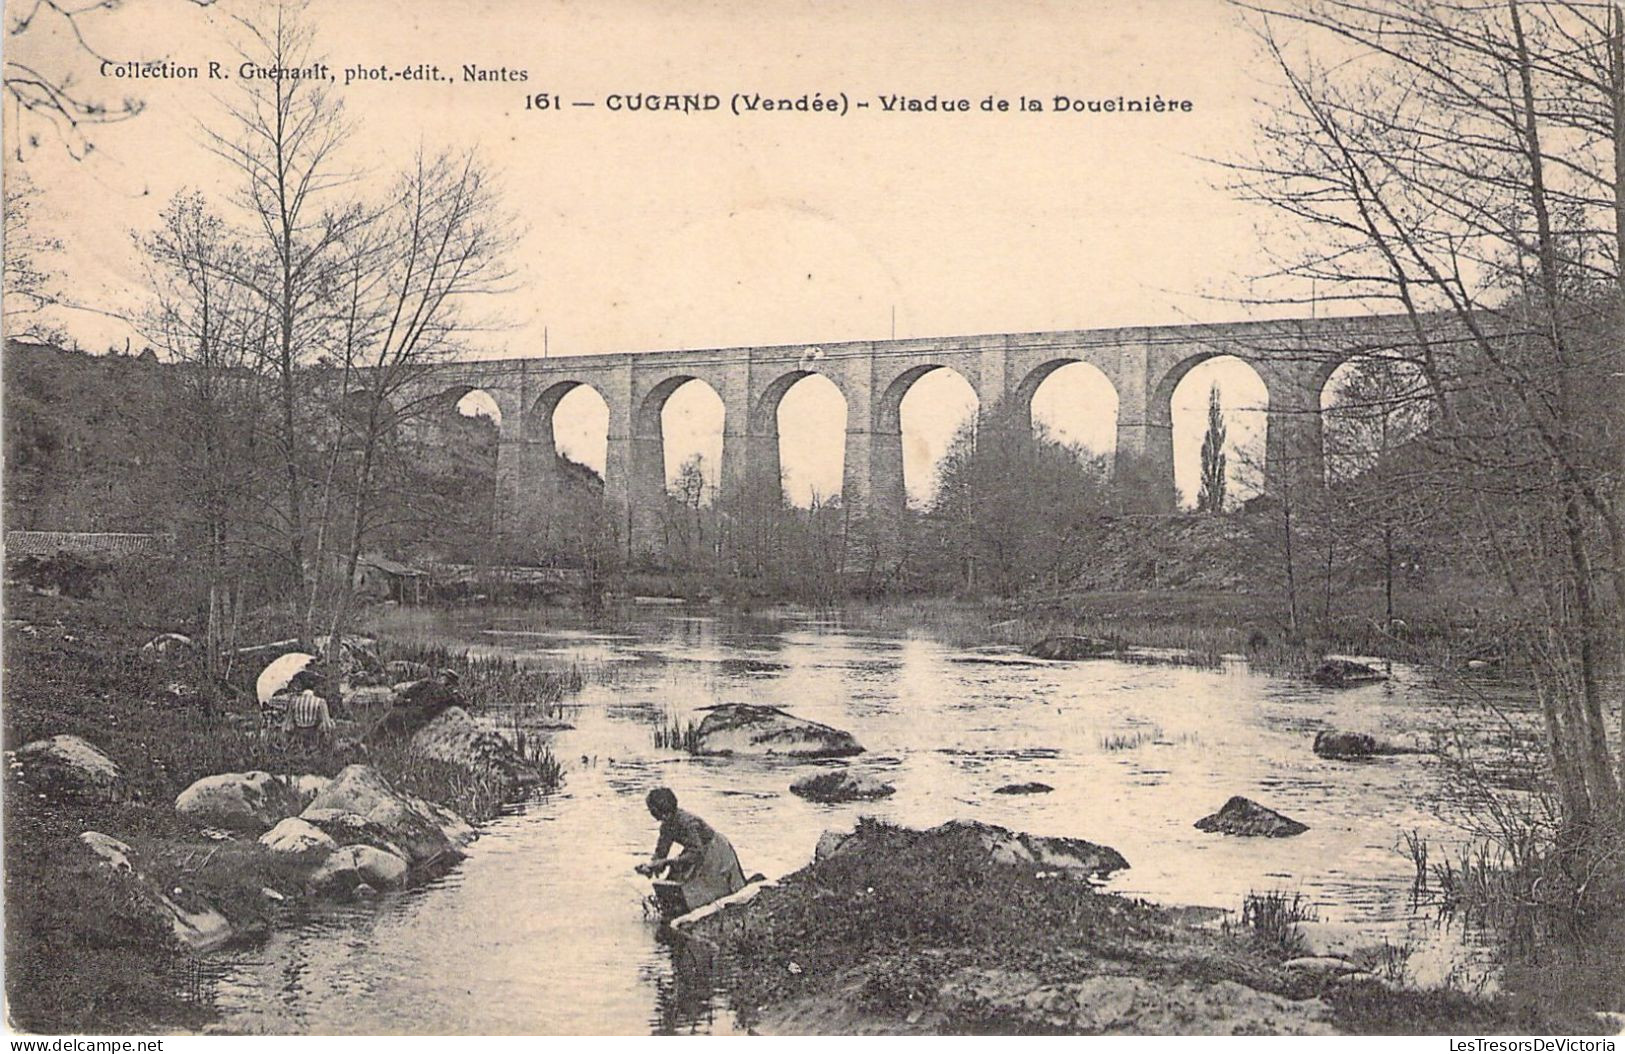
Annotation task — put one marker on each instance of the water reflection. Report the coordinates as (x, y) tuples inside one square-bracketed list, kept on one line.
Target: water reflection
[(688, 993)]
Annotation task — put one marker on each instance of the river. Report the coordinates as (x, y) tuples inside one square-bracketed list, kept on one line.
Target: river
[(542, 929)]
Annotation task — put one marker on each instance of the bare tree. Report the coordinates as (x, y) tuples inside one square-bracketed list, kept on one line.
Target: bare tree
[(46, 88), (409, 278), (282, 135), (1459, 163), (215, 333), (28, 284), (689, 499), (1374, 434)]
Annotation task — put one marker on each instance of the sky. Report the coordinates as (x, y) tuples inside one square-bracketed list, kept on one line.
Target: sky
[(647, 230)]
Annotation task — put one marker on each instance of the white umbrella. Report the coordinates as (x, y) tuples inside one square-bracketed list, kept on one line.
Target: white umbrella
[(275, 677)]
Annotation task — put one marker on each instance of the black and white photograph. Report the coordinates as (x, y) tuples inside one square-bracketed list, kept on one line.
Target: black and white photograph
[(591, 518)]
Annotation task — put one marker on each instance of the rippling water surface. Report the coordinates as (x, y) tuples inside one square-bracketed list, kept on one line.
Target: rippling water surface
[(542, 929)]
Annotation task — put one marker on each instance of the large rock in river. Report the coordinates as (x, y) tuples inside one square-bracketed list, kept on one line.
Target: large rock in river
[(67, 767), (1243, 816), (1346, 746), (1004, 846), (360, 806), (839, 786), (1072, 648), (241, 801), (1345, 673), (455, 738), (740, 728), (1024, 788)]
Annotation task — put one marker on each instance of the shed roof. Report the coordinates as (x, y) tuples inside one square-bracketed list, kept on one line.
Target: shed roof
[(393, 567)]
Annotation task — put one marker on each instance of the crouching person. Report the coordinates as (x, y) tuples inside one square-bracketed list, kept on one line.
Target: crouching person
[(707, 869)]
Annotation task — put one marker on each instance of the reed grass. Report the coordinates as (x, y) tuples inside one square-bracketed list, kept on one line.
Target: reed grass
[(1130, 740), (1272, 917), (493, 682), (674, 734)]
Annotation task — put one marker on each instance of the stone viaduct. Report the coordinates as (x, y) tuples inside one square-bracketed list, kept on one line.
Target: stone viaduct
[(1294, 359)]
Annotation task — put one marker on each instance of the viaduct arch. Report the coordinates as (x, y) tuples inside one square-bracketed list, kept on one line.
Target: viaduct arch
[(1294, 358)]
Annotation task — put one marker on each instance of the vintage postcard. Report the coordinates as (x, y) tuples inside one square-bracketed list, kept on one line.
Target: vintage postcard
[(547, 517)]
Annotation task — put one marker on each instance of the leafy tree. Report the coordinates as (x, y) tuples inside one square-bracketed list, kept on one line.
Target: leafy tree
[(1211, 497), (1020, 505)]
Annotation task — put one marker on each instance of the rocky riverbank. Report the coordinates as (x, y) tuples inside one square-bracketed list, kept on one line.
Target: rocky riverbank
[(968, 928), (149, 822)]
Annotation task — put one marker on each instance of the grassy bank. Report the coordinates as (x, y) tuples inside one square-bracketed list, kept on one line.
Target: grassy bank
[(903, 931), (1204, 624), (82, 954)]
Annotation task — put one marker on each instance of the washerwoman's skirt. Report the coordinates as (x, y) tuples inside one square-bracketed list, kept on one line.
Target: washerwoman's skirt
[(717, 874)]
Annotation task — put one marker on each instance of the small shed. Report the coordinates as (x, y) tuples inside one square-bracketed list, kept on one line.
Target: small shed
[(379, 576)]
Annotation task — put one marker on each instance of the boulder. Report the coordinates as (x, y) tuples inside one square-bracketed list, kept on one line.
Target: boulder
[(241, 801), (1024, 788), (1073, 648), (1344, 746), (455, 738), (996, 845), (112, 852), (416, 705), (1323, 965), (298, 838), (200, 929), (65, 767), (407, 823), (273, 680), (843, 785), (741, 728), (1345, 673), (167, 648), (351, 828), (307, 787), (829, 843), (458, 831), (1072, 855), (1243, 816), (357, 865), (1332, 744)]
